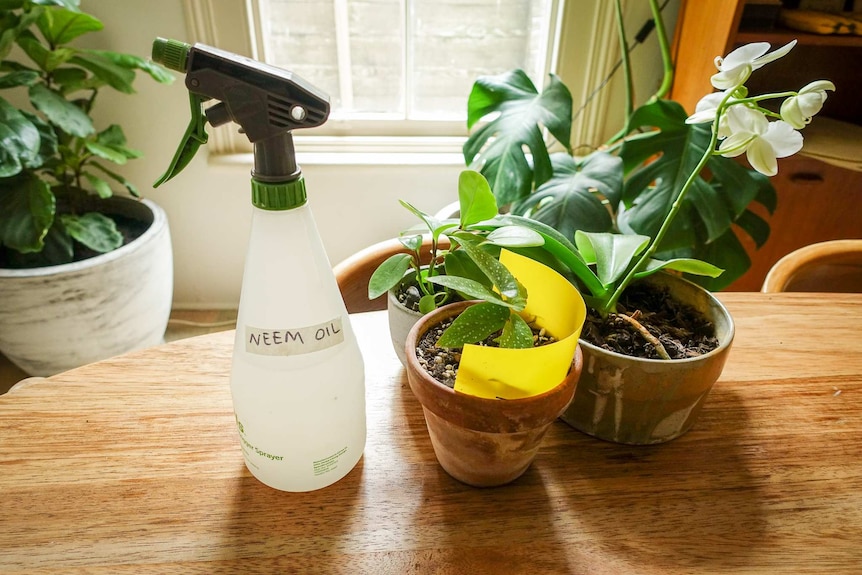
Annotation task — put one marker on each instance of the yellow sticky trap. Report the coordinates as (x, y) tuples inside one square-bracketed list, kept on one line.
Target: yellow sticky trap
[(552, 303)]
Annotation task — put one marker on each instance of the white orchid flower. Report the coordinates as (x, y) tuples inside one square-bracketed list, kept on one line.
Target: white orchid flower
[(761, 140), (798, 110), (705, 111), (734, 69), (706, 108)]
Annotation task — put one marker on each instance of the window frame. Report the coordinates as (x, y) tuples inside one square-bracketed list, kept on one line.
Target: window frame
[(581, 31)]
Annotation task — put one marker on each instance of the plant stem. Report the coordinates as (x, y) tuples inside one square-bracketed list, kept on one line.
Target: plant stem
[(627, 72), (611, 304), (666, 56), (627, 65)]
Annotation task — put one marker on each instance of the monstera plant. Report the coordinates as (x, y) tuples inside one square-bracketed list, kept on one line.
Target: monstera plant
[(626, 186), (53, 159)]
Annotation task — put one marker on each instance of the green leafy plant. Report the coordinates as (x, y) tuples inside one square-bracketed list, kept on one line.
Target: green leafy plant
[(663, 193), (468, 268), (53, 160), (628, 185)]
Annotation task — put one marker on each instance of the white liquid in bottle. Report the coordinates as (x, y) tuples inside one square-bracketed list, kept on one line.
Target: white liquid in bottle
[(297, 379)]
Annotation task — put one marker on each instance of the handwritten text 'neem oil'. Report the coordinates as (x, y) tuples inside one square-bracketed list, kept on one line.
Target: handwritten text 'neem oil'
[(294, 341)]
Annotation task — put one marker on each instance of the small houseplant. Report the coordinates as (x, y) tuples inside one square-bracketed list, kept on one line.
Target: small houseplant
[(489, 386), (415, 289), (58, 213), (656, 193), (463, 357)]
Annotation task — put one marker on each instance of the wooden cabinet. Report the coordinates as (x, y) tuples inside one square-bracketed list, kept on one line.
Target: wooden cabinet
[(816, 201)]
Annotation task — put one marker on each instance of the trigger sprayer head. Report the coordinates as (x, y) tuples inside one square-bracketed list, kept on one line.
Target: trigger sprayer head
[(267, 102)]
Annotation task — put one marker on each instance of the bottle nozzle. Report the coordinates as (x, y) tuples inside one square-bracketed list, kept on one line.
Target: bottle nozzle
[(172, 54)]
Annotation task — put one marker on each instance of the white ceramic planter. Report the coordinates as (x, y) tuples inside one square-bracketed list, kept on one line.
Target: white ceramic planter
[(401, 321), (55, 318)]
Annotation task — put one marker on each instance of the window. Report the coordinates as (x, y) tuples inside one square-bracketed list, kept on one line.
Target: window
[(398, 72), (388, 61)]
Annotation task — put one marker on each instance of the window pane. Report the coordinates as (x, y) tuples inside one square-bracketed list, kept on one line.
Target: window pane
[(404, 59), (455, 41)]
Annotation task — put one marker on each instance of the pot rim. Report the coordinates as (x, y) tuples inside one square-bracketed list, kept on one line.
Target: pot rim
[(463, 402), (723, 343), (159, 222)]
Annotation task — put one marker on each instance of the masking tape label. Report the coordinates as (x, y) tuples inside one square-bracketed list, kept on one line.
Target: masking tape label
[(294, 341)]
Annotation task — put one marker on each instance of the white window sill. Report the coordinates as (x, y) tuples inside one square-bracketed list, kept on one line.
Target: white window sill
[(366, 151)]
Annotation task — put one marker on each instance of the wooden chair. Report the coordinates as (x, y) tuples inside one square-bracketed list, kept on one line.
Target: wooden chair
[(353, 273), (832, 266)]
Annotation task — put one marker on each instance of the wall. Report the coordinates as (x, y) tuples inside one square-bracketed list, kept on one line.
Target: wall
[(208, 204)]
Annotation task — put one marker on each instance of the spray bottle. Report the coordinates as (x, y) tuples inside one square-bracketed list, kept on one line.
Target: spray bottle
[(297, 376)]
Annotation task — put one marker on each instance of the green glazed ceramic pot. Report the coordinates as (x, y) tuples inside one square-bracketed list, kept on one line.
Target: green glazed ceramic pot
[(638, 401)]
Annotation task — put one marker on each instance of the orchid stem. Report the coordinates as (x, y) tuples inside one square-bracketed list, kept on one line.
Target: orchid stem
[(674, 210)]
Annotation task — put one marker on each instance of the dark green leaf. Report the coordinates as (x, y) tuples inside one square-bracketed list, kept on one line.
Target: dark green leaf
[(475, 199), (34, 48), (388, 274), (70, 79), (96, 231), (19, 140), (686, 265), (105, 152), (117, 177), (101, 187), (711, 207), (27, 207), (57, 249), (458, 264), (117, 77), (501, 277), (60, 26), (474, 324), (472, 289), (523, 112), (11, 4), (754, 226), (47, 142), (727, 253), (516, 333), (20, 78), (60, 112), (131, 62), (581, 195)]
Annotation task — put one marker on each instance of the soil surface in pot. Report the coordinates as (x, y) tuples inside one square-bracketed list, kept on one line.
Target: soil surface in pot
[(681, 329), (442, 362)]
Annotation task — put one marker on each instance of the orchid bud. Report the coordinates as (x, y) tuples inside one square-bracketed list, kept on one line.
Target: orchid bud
[(798, 110)]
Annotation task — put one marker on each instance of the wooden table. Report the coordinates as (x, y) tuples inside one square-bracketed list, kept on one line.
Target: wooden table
[(132, 466)]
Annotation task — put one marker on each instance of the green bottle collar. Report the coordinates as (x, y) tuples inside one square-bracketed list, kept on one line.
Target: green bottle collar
[(278, 196)]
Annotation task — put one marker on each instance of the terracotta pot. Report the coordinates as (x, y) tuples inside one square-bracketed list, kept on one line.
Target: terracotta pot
[(638, 401), (478, 441)]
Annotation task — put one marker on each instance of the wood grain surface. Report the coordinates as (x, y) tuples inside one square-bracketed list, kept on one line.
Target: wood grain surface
[(132, 466)]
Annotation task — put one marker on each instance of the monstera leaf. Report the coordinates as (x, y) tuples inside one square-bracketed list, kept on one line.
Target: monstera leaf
[(583, 194), (658, 162), (498, 147)]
